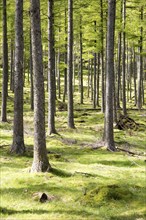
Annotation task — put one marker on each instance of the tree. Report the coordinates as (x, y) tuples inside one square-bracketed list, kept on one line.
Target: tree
[(5, 65), (40, 160), (70, 65), (109, 136), (18, 146), (124, 58), (81, 63), (51, 69), (140, 65)]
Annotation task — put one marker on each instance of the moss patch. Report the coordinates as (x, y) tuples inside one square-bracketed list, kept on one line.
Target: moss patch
[(106, 194)]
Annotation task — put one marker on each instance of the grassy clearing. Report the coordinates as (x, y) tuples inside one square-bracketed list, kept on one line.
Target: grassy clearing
[(86, 183)]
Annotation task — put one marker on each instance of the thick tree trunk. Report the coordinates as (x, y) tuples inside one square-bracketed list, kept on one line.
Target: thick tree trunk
[(40, 160), (18, 146), (70, 65), (109, 136), (5, 66), (51, 70)]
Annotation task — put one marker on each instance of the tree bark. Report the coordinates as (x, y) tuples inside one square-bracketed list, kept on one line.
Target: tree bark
[(18, 146), (70, 65), (65, 59), (102, 60), (40, 160), (109, 136), (81, 64), (31, 75), (124, 60), (140, 65), (119, 71), (51, 69), (5, 66)]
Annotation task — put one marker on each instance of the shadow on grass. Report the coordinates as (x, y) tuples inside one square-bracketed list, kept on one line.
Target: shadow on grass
[(60, 173), (129, 217), (7, 211), (71, 212)]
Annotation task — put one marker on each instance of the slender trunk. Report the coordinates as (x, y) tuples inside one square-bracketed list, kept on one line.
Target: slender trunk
[(98, 76), (88, 79), (134, 77), (5, 66), (70, 66), (65, 60), (119, 71), (102, 59), (91, 79), (124, 59), (58, 75), (94, 88), (31, 75), (12, 67), (81, 64), (51, 71), (140, 69)]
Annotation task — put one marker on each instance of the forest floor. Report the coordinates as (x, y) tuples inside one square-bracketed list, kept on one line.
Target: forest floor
[(87, 181)]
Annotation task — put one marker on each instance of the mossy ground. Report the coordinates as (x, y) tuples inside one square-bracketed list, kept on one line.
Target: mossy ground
[(87, 183)]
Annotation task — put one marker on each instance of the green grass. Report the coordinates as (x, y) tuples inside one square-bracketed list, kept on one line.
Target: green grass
[(87, 183)]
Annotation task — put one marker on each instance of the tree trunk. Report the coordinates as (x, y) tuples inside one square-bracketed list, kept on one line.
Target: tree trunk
[(134, 76), (31, 76), (70, 65), (109, 136), (12, 67), (124, 59), (140, 63), (94, 88), (89, 71), (5, 66), (119, 71), (40, 160), (18, 146), (51, 70), (81, 64), (98, 76), (65, 60), (102, 59)]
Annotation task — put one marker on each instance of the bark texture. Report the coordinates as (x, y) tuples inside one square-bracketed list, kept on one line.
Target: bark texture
[(40, 160), (109, 136), (5, 65), (18, 146), (70, 65), (51, 69)]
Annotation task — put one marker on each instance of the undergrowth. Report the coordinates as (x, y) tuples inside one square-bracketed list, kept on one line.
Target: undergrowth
[(87, 181)]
